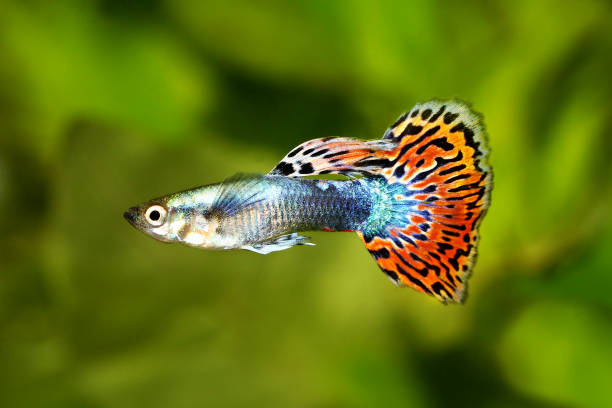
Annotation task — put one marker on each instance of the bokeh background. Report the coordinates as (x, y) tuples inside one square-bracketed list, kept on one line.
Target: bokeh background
[(105, 104)]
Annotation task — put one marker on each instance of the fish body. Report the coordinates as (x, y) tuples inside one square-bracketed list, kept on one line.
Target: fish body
[(417, 205), (248, 211)]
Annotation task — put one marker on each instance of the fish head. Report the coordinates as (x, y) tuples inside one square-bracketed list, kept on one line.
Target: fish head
[(156, 219), (184, 217)]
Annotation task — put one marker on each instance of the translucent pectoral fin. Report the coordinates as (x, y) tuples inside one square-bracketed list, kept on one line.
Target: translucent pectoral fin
[(278, 244)]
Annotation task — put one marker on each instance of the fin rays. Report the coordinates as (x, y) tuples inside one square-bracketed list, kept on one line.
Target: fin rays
[(335, 155), (441, 154), (278, 244)]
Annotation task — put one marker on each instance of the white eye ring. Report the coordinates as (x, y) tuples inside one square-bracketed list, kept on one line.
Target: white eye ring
[(156, 215)]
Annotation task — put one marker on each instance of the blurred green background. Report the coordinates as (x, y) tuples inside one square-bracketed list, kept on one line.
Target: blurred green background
[(105, 104)]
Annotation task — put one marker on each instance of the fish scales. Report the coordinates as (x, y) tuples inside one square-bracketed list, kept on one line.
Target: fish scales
[(291, 205)]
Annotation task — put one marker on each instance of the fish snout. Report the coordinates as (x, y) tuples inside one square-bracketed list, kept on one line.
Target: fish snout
[(131, 214)]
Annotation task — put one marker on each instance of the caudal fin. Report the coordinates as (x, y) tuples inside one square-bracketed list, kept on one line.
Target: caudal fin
[(434, 160), (442, 160)]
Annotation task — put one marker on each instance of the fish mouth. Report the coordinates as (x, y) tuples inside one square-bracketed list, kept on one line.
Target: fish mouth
[(131, 214)]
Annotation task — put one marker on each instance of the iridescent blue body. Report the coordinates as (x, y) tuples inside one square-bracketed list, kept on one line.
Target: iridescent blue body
[(254, 211), (284, 205)]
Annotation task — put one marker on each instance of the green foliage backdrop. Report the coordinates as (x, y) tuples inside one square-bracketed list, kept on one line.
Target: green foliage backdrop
[(105, 104)]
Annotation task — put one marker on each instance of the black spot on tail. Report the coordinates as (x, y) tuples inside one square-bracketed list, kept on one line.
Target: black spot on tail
[(399, 171), (381, 253), (442, 247), (469, 141), (452, 169), (412, 130), (414, 280), (457, 227), (400, 120), (456, 178), (432, 131), (438, 288), (440, 142), (437, 114), (391, 274), (450, 117), (440, 161)]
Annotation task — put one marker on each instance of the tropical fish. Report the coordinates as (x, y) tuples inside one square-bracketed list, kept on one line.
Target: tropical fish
[(416, 198)]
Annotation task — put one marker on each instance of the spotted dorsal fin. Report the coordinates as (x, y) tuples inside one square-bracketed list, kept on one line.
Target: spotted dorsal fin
[(333, 155)]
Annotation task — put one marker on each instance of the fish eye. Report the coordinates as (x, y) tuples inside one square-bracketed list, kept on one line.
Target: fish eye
[(156, 215)]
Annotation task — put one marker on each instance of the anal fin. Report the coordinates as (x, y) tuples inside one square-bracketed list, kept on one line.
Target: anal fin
[(278, 244)]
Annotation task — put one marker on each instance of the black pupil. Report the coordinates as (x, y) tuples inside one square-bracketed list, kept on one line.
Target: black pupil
[(155, 215)]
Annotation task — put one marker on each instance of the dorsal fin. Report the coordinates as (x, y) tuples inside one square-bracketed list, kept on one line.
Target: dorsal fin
[(333, 155)]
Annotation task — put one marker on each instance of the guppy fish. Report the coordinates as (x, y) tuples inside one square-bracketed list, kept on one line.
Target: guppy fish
[(417, 205)]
